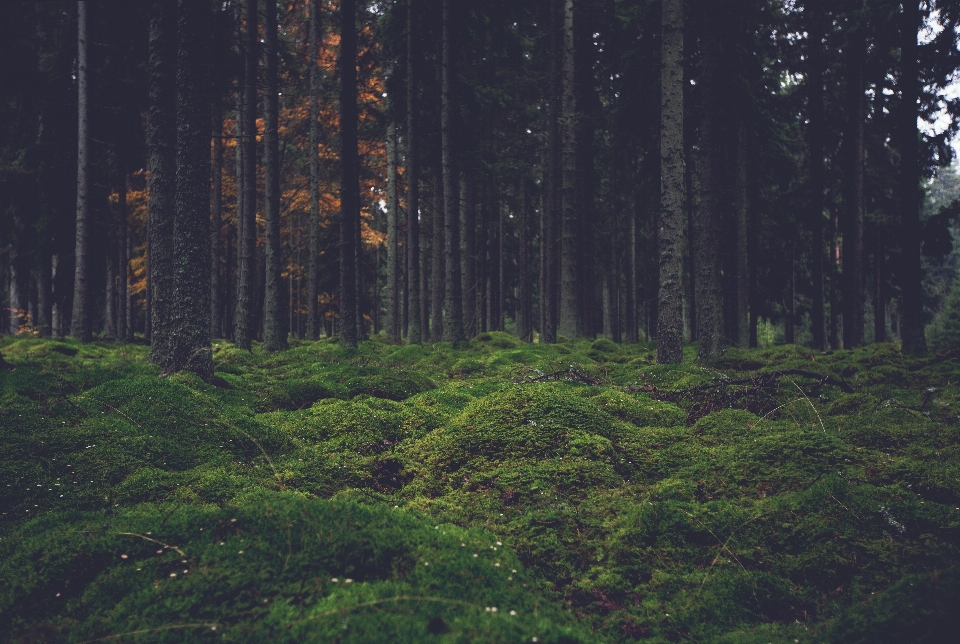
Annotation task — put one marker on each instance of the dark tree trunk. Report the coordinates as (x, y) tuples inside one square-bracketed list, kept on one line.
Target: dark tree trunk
[(189, 339), (709, 304), (44, 296), (570, 322), (313, 262), (912, 332), (836, 318), (234, 263), (80, 327), (630, 299), (124, 310), (879, 296), (816, 143), (243, 323), (453, 291), (853, 277), (415, 329), (549, 243), (672, 189), (743, 270), (393, 239), (274, 326), (216, 205), (524, 280), (437, 268), (468, 250), (349, 176), (161, 145)]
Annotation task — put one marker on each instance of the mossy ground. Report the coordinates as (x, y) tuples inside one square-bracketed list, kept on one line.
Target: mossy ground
[(495, 492)]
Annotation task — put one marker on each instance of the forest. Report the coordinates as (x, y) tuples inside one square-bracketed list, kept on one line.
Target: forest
[(529, 320)]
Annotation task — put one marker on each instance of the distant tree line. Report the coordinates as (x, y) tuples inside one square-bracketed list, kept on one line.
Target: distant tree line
[(432, 169)]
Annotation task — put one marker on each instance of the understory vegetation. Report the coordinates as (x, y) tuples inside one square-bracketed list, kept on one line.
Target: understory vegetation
[(491, 492)]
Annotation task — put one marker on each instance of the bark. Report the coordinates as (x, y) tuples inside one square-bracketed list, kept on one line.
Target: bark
[(189, 336), (524, 281), (672, 188), (815, 135), (124, 309), (709, 304), (110, 296), (499, 318), (468, 249), (313, 262), (914, 342), (243, 327), (17, 318), (216, 206), (80, 327), (879, 296), (551, 216), (853, 276), (630, 297), (437, 268), (393, 249), (44, 296), (415, 327), (836, 316), (743, 271), (161, 146), (349, 175), (453, 291), (274, 325), (570, 319)]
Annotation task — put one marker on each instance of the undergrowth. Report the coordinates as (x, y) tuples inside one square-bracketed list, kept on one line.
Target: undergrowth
[(493, 492)]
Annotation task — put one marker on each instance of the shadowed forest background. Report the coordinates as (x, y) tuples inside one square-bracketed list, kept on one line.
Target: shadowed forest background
[(433, 320)]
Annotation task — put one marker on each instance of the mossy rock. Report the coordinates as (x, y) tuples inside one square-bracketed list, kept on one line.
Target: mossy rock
[(496, 340), (640, 410), (303, 393), (393, 385)]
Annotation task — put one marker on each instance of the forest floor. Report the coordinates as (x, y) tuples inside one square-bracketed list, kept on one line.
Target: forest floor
[(497, 492)]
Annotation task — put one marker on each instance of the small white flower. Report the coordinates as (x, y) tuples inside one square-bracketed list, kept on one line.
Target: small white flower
[(513, 612), (334, 580), (348, 581)]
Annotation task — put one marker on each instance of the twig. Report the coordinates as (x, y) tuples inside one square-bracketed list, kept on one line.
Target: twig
[(171, 627), (146, 538)]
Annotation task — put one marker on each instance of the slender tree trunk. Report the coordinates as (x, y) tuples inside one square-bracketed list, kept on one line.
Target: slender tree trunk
[(816, 142), (551, 215), (110, 296), (243, 322), (216, 303), (468, 249), (274, 326), (853, 277), (453, 291), (672, 191), (80, 327), (415, 328), (709, 304), (912, 332), (393, 239), (501, 268), (125, 311), (234, 265), (630, 299), (349, 176), (189, 339), (524, 281), (570, 322), (313, 261), (836, 317), (44, 297), (437, 268), (743, 270), (161, 145), (879, 296), (16, 318)]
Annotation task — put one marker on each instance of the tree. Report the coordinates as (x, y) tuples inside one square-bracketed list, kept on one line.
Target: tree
[(80, 326), (453, 303), (274, 329), (570, 323), (313, 262), (161, 145), (815, 138), (673, 189), (349, 175), (189, 340), (912, 332), (216, 166), (246, 220), (852, 252), (393, 265), (415, 330)]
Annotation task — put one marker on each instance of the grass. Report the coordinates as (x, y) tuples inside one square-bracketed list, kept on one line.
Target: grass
[(495, 492)]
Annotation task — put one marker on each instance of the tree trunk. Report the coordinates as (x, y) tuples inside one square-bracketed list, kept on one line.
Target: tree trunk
[(551, 214), (110, 295), (243, 327), (524, 281), (672, 191), (816, 142), (453, 291), (437, 268), (234, 265), (468, 249), (743, 271), (124, 309), (216, 303), (80, 327), (879, 296), (393, 249), (836, 317), (349, 176), (709, 305), (911, 196), (274, 326), (570, 322), (161, 145), (630, 299), (853, 277), (189, 339), (313, 261), (415, 328)]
